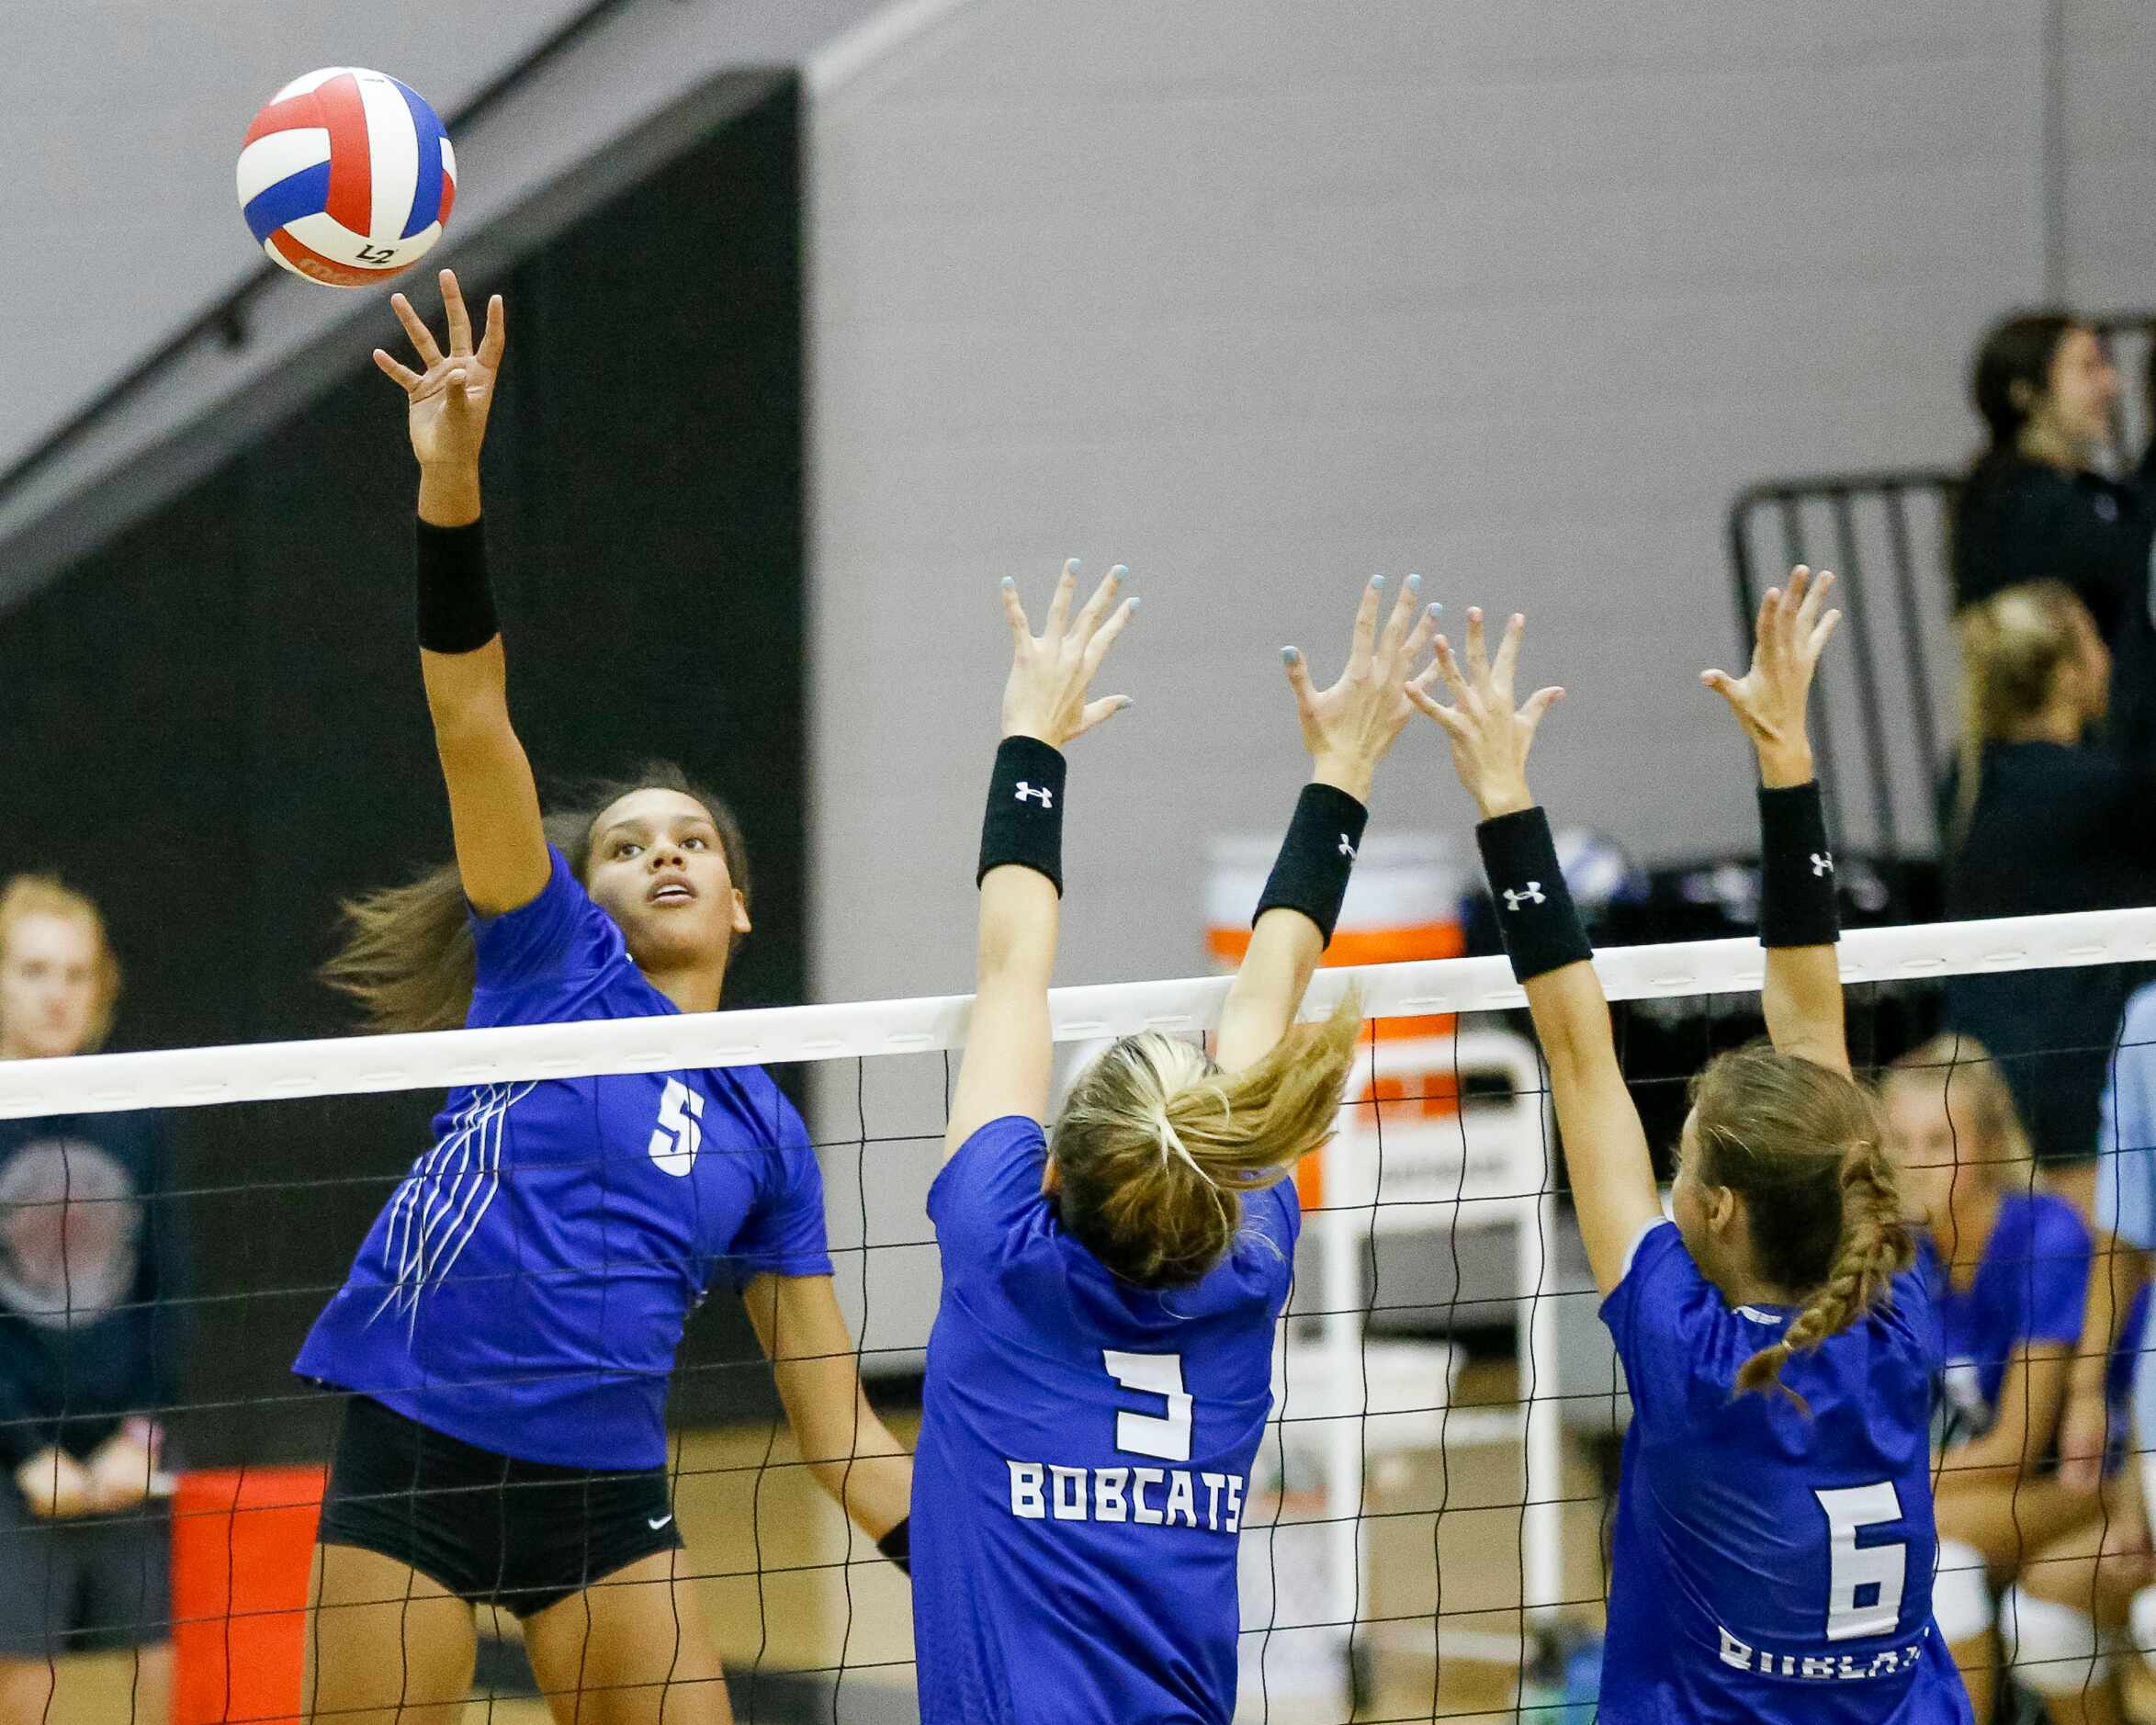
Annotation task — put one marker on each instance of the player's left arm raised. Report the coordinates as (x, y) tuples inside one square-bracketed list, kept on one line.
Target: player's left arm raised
[(1045, 703), (1797, 923), (1348, 729), (1605, 1145)]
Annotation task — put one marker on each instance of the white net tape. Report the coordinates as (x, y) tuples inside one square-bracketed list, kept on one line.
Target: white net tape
[(191, 1077)]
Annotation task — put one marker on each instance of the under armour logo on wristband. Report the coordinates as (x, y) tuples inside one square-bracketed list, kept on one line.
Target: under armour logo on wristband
[(1533, 895), (1347, 849), (1823, 865), (1046, 796)]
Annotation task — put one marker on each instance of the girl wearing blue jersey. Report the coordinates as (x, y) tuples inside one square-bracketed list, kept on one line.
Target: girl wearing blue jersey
[(510, 1324), (2008, 1272), (1100, 1372), (1773, 1552)]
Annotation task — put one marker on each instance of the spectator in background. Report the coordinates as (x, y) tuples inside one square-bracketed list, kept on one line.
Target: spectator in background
[(2040, 819), (2037, 507), (88, 1337)]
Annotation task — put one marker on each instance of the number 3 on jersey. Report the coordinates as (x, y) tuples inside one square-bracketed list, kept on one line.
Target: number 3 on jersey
[(1851, 1567), (1150, 1434)]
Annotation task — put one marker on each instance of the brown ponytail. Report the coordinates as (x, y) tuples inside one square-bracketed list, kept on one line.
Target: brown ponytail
[(1155, 1146), (1801, 1144), (408, 957)]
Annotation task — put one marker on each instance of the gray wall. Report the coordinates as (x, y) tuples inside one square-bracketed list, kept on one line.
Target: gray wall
[(123, 118), (1261, 298)]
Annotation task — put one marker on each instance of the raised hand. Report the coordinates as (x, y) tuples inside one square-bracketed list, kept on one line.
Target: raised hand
[(1490, 737), (1050, 672), (1770, 698), (450, 399), (1349, 727)]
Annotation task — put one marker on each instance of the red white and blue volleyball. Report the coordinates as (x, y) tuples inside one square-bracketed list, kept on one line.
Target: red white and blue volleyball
[(347, 176)]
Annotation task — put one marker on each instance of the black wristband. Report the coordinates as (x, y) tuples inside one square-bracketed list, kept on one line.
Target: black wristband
[(1024, 820), (1795, 870), (456, 603), (898, 1545), (1316, 857), (1535, 914)]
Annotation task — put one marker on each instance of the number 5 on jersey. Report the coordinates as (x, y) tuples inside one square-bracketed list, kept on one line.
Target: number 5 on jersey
[(675, 1138), (1150, 1434)]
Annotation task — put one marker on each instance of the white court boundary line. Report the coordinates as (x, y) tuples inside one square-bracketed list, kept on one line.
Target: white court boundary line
[(438, 1060)]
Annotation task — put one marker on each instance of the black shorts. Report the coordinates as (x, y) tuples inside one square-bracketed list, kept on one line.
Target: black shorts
[(522, 1535), (83, 1585)]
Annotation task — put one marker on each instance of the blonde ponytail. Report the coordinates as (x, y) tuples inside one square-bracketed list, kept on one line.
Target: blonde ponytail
[(2012, 645), (1155, 1146)]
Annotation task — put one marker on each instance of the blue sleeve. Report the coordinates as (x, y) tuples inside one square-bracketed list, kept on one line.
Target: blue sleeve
[(989, 1189), (2125, 1165), (560, 934), (783, 1234), (1660, 1314), (2060, 1251)]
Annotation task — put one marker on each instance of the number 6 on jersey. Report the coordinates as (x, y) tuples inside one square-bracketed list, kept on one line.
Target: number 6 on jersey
[(1853, 1567)]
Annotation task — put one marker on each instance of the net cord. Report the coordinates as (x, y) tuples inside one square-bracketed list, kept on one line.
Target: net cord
[(359, 1065)]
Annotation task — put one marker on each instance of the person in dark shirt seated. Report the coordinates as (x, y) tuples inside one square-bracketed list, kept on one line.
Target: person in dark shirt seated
[(89, 1349), (2037, 505), (2040, 819)]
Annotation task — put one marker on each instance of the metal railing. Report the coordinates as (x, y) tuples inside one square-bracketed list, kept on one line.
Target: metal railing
[(1885, 709)]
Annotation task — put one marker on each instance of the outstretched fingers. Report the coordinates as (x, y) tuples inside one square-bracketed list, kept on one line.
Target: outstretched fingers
[(1538, 704), (423, 338), (1022, 629), (1088, 620), (1478, 656), (1099, 712), (1059, 606), (1508, 660), (1359, 653), (458, 317), (1400, 620), (497, 335), (1105, 636), (402, 375)]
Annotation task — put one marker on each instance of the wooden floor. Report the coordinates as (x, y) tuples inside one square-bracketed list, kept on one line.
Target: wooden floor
[(788, 1588)]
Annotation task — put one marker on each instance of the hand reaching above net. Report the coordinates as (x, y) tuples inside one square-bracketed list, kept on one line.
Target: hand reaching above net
[(1044, 697), (1349, 727), (1490, 736)]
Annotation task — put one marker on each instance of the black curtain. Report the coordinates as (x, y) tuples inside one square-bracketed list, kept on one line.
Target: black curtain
[(216, 725)]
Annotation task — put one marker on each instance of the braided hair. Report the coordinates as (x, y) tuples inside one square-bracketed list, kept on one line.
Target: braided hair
[(1801, 1143)]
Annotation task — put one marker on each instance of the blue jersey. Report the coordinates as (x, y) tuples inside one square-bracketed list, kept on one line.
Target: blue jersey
[(2030, 1290), (1769, 1564), (525, 1287), (1084, 1447)]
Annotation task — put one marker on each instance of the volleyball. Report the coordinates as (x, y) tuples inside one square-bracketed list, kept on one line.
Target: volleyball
[(347, 176)]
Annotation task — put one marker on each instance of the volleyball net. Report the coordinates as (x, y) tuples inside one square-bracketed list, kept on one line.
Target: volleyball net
[(1425, 1532)]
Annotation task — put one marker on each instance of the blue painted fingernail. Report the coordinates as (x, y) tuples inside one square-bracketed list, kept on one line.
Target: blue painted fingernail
[(1289, 655), (1378, 582), (1437, 607), (1120, 570), (1133, 602), (1008, 584), (1072, 564), (1415, 583)]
